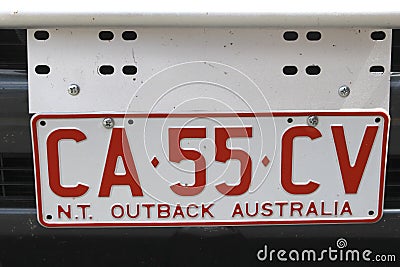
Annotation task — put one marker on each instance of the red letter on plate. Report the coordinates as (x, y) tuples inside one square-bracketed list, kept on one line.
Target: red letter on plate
[(177, 154), (119, 147), (53, 163), (351, 175), (287, 158), (223, 154)]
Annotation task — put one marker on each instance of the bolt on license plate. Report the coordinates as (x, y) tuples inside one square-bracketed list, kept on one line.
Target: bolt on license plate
[(209, 169)]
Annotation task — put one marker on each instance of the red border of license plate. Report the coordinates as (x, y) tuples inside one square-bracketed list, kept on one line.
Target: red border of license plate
[(216, 223)]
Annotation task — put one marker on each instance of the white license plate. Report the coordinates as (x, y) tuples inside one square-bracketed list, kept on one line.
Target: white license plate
[(209, 169)]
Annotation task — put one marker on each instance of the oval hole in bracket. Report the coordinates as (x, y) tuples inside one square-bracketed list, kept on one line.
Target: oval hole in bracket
[(377, 69), (290, 36), (129, 70), (129, 35), (106, 35), (289, 70), (313, 70), (378, 35), (42, 69), (313, 36), (41, 35), (106, 70)]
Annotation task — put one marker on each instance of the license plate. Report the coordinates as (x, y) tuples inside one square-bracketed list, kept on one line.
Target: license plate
[(209, 169)]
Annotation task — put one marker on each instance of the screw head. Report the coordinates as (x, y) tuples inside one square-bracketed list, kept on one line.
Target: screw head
[(73, 89), (108, 123), (312, 121), (344, 91)]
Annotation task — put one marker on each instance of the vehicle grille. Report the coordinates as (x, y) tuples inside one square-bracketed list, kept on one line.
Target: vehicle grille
[(395, 51), (392, 190), (13, 49), (16, 163), (16, 181)]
